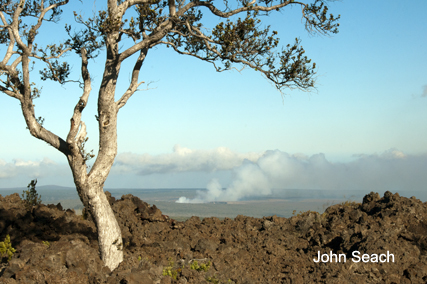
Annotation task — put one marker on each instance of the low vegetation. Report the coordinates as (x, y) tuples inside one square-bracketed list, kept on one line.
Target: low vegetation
[(6, 248), (174, 271), (202, 267), (170, 270)]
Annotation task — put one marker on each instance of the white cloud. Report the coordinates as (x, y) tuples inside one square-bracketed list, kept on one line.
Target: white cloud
[(22, 163), (24, 171), (182, 160)]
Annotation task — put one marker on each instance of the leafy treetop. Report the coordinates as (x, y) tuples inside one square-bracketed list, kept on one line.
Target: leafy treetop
[(176, 24)]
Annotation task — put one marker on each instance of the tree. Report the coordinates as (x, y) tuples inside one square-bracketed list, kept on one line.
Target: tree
[(138, 26), (30, 196)]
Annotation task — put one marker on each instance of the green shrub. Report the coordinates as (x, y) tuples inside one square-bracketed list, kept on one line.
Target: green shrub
[(6, 248), (30, 196), (169, 271), (172, 271), (213, 280), (202, 267)]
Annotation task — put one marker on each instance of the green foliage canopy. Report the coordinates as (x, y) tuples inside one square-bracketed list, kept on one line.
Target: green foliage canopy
[(176, 24)]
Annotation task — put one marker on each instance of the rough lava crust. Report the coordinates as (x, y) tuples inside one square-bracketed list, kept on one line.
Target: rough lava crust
[(57, 246)]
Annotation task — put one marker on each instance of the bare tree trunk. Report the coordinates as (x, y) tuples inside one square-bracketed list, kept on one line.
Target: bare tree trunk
[(109, 233), (91, 193)]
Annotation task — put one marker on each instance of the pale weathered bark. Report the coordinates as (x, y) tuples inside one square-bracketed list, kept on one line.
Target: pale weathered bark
[(91, 194), (109, 233)]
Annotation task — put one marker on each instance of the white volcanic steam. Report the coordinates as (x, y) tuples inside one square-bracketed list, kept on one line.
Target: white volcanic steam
[(249, 181), (392, 170)]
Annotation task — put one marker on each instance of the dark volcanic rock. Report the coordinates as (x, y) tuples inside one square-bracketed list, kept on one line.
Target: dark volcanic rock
[(56, 246)]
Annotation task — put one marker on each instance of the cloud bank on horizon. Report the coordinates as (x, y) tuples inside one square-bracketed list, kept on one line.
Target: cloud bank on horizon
[(182, 160), (253, 174), (391, 170), (24, 171)]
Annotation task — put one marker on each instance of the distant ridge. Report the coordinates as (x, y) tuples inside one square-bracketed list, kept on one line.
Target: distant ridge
[(43, 187), (56, 192)]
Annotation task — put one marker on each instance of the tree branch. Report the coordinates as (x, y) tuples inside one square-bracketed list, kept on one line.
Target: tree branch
[(73, 135), (10, 93), (15, 26), (243, 43), (20, 87), (134, 81), (9, 51), (27, 106), (160, 32), (211, 60), (40, 19), (219, 13), (129, 3), (172, 8)]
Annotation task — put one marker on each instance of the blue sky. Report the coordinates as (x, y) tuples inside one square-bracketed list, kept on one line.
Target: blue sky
[(195, 126)]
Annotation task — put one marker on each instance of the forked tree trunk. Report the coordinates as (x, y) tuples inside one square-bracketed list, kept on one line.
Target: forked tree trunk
[(109, 233)]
